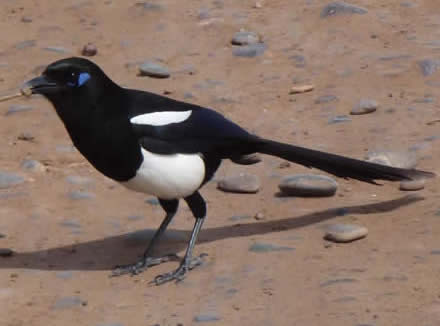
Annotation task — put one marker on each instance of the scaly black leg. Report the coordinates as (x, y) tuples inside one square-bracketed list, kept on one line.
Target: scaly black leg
[(198, 207), (170, 207)]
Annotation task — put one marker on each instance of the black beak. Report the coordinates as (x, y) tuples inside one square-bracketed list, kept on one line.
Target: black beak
[(39, 85)]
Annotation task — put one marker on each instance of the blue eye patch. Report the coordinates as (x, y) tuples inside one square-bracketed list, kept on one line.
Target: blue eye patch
[(83, 78)]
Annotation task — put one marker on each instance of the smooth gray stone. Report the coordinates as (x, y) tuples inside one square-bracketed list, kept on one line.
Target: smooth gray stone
[(364, 106), (148, 5), (326, 99), (70, 224), (249, 51), (78, 180), (267, 247), (16, 108), (405, 160), (247, 159), (428, 66), (57, 49), (241, 183), (152, 201), (25, 44), (206, 318), (152, 69), (308, 185), (338, 281), (412, 185), (237, 218), (33, 165), (339, 119), (68, 303), (64, 275), (80, 194), (245, 38), (345, 232), (8, 180), (340, 8)]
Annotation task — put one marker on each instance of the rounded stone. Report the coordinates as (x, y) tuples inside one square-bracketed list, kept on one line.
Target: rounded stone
[(412, 185), (33, 165), (241, 183), (6, 252), (89, 50), (8, 180), (364, 106), (152, 69), (308, 185), (404, 160), (345, 232), (247, 159), (245, 38)]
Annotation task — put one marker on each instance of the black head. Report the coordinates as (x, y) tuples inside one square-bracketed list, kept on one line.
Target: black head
[(68, 81)]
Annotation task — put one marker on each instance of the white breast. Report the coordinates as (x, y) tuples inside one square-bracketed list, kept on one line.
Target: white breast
[(168, 176)]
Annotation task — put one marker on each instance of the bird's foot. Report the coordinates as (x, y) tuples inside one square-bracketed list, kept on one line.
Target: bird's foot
[(142, 265), (180, 273)]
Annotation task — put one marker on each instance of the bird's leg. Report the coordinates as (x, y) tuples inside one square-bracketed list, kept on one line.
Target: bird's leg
[(198, 208), (170, 207)]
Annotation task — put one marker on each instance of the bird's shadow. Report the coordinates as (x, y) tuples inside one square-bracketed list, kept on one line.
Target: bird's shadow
[(104, 254)]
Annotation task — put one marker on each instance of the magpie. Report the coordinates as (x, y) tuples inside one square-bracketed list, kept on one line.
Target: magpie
[(160, 146)]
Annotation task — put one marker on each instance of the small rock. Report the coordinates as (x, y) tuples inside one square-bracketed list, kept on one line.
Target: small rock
[(71, 224), (26, 19), (301, 89), (267, 247), (339, 8), (412, 185), (152, 69), (68, 303), (326, 99), (17, 108), (308, 185), (338, 119), (25, 136), (65, 275), (260, 216), (258, 4), (78, 180), (428, 66), (80, 194), (89, 50), (65, 148), (404, 160), (364, 106), (247, 159), (245, 38), (338, 281), (249, 51), (33, 165), (6, 252), (148, 5), (57, 49), (242, 183), (345, 232), (25, 44), (2, 236), (152, 201), (237, 218), (206, 318), (8, 180)]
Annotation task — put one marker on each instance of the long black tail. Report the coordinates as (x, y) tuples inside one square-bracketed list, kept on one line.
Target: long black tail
[(340, 166)]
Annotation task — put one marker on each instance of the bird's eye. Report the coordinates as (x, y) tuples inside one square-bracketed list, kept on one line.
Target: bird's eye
[(77, 80)]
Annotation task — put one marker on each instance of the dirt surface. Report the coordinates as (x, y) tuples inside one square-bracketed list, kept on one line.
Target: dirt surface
[(68, 232)]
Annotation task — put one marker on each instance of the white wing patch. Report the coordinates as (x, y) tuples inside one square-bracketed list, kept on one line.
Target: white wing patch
[(161, 118)]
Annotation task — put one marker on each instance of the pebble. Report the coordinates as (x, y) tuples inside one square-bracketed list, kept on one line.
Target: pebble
[(33, 165), (308, 185), (17, 108), (81, 194), (68, 303), (26, 19), (338, 119), (57, 49), (25, 44), (326, 99), (412, 185), (206, 318), (338, 281), (267, 247), (245, 38), (25, 136), (339, 8), (71, 224), (242, 183), (345, 232), (237, 218), (428, 66), (301, 89), (6, 252), (405, 160), (260, 216), (152, 69), (78, 180), (249, 51), (8, 180), (364, 106), (148, 5), (152, 201), (247, 159), (300, 60), (65, 275), (89, 50)]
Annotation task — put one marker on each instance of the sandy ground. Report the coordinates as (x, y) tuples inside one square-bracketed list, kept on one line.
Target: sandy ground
[(65, 248)]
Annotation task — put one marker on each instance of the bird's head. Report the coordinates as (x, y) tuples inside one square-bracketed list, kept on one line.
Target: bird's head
[(70, 81)]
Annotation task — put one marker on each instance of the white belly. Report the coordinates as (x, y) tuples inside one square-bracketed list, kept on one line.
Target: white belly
[(168, 176)]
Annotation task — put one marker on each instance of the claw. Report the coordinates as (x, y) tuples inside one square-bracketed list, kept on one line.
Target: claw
[(142, 265)]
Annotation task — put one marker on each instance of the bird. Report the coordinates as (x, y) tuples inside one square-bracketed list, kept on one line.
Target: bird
[(167, 148)]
